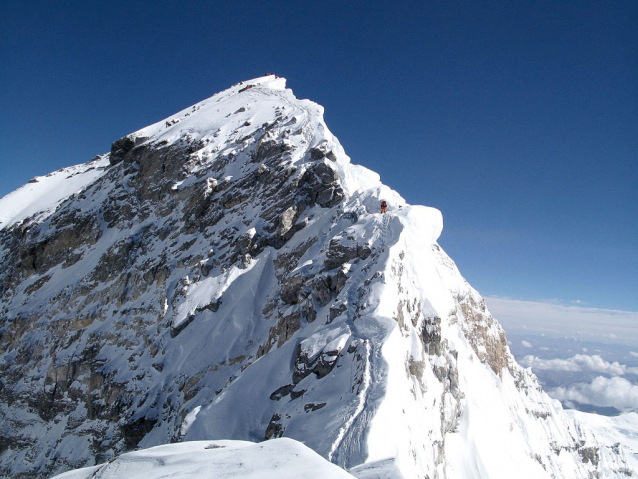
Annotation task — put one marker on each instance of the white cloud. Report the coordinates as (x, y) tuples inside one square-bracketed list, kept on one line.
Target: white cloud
[(578, 363), (605, 392), (565, 320), (527, 344), (634, 354)]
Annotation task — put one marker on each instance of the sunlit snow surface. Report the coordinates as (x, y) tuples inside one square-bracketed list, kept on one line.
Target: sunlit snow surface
[(277, 459), (616, 431), (43, 194)]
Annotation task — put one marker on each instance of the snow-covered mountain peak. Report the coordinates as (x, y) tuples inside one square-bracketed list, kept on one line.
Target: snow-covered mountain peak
[(226, 111), (231, 120), (228, 274)]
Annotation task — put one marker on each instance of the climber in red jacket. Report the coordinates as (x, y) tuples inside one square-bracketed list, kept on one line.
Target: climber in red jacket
[(384, 205)]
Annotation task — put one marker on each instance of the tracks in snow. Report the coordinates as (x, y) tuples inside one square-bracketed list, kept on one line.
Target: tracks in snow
[(309, 138), (350, 427), (363, 393)]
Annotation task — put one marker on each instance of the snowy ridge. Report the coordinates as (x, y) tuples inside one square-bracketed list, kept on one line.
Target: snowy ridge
[(282, 458), (43, 194), (229, 276)]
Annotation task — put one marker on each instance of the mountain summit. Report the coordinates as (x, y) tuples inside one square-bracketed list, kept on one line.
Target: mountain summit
[(227, 273)]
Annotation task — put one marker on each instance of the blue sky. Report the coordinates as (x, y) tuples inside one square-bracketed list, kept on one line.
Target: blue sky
[(517, 119)]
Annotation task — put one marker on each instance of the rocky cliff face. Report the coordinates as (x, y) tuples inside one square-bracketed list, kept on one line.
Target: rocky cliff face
[(226, 274)]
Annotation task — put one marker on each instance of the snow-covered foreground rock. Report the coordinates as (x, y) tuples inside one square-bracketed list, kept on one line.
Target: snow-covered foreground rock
[(228, 275), (278, 459)]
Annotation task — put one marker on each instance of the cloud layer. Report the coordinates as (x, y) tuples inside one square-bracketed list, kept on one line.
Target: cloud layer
[(578, 363), (605, 392), (613, 386), (595, 324)]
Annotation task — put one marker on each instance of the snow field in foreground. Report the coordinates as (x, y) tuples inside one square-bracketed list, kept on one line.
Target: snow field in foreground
[(278, 458)]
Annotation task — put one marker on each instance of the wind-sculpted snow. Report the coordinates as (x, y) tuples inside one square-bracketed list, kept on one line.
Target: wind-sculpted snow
[(229, 276), (39, 198), (280, 458)]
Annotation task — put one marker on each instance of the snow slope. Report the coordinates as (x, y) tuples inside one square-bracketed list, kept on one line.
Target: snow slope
[(42, 195), (280, 458), (615, 431), (230, 276)]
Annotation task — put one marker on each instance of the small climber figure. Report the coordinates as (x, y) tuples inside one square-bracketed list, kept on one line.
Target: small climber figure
[(384, 205)]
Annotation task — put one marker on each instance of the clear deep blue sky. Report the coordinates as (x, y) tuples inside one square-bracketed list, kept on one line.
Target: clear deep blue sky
[(517, 119)]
